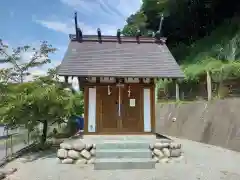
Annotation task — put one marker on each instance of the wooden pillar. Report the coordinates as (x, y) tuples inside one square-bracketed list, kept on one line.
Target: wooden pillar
[(209, 86), (79, 83), (86, 106), (177, 90), (66, 79)]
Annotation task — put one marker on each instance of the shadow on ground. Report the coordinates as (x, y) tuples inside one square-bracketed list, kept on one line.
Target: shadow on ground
[(160, 136), (33, 156)]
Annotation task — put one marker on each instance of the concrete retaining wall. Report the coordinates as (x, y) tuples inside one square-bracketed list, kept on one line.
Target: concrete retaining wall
[(216, 122)]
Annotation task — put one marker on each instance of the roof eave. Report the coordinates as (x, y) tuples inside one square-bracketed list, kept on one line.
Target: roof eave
[(128, 76)]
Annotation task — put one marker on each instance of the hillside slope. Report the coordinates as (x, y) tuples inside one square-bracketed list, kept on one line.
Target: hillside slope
[(223, 38)]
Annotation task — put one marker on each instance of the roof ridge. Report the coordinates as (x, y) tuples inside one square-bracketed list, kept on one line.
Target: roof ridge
[(111, 38)]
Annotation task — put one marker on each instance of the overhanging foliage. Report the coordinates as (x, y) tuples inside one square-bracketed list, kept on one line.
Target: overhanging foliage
[(220, 70)]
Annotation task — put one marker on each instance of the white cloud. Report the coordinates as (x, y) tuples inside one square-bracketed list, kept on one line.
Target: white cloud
[(35, 72), (108, 15), (75, 83), (26, 56), (84, 5), (120, 9), (68, 27), (57, 26), (129, 7)]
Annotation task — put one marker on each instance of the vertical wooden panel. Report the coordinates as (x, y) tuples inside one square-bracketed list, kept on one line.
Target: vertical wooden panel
[(107, 111), (85, 109), (141, 109), (98, 110), (132, 116), (153, 120)]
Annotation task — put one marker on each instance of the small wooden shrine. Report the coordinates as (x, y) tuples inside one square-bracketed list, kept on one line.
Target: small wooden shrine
[(117, 75)]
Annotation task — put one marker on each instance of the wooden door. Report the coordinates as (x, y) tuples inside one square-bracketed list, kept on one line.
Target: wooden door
[(108, 109), (132, 120)]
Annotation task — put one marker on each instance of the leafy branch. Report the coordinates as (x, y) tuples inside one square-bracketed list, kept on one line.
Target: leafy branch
[(19, 65)]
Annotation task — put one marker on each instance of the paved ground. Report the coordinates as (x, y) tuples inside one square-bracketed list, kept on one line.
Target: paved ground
[(16, 147), (201, 162)]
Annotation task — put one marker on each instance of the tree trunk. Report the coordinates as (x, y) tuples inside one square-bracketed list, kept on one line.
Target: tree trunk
[(44, 132), (21, 77), (209, 86)]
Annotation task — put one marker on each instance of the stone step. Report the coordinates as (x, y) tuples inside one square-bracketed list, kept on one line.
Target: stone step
[(123, 145), (100, 138), (123, 153), (125, 163)]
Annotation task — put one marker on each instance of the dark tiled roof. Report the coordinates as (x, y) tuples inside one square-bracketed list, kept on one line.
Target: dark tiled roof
[(125, 59)]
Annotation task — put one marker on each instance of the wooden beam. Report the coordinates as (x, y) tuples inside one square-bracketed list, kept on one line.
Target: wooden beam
[(209, 86), (97, 79), (152, 81)]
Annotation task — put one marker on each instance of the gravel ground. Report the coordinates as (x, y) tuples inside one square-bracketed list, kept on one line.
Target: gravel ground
[(201, 162)]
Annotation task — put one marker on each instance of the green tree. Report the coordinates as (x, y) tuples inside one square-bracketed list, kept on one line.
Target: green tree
[(229, 51), (185, 22), (20, 66), (37, 103), (135, 22)]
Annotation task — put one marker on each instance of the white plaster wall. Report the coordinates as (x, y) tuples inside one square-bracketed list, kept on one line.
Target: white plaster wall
[(147, 110), (92, 110)]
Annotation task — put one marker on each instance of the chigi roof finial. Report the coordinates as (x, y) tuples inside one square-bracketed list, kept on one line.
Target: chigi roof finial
[(138, 34), (119, 35), (99, 35), (161, 22), (158, 33), (76, 24), (77, 29)]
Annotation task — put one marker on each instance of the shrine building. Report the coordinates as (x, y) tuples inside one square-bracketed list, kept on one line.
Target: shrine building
[(117, 75)]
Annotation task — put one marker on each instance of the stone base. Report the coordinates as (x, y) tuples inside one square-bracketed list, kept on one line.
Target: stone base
[(75, 151), (83, 151), (165, 151)]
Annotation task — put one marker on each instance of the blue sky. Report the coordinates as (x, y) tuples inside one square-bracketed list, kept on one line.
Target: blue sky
[(30, 21)]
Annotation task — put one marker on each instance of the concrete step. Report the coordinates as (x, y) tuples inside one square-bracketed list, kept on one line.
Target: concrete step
[(125, 163), (100, 138), (123, 145), (123, 153)]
